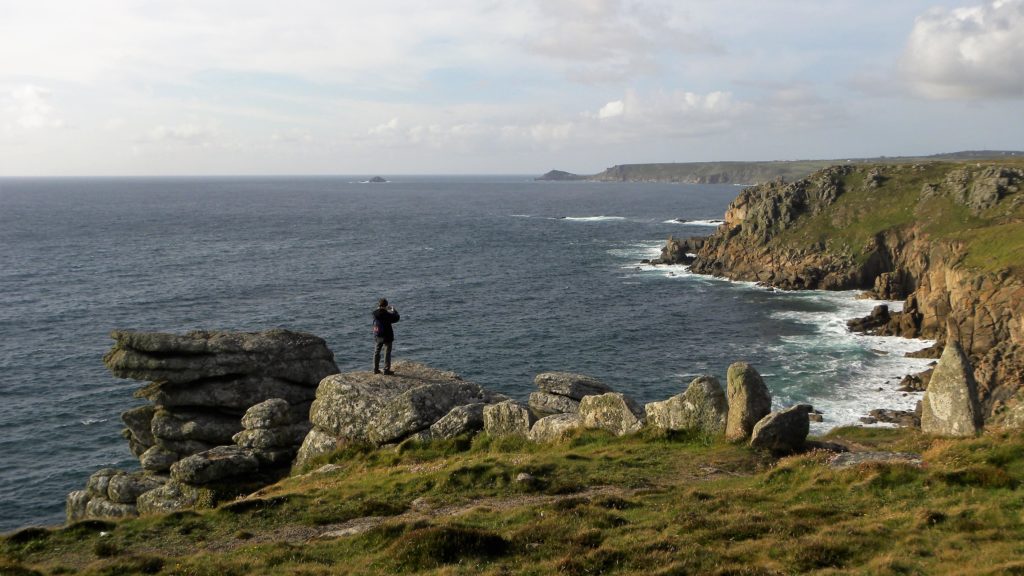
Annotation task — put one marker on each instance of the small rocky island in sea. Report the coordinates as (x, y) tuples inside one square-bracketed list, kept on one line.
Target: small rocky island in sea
[(560, 176)]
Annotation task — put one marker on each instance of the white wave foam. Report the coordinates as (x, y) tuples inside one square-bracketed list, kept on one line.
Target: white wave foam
[(685, 222), (858, 373), (91, 421), (634, 253), (843, 374), (593, 218)]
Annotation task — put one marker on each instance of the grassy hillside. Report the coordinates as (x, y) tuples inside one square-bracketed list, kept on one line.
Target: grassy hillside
[(992, 238), (646, 504)]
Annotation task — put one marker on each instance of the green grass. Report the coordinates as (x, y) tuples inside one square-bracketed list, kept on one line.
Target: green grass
[(646, 504), (992, 241)]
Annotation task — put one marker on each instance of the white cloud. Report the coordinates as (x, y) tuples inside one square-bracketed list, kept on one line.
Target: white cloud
[(634, 117), (190, 134), (29, 108), (968, 53), (292, 136), (388, 127), (612, 109), (669, 113), (609, 40)]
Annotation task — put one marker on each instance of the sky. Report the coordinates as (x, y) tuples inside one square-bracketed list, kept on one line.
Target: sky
[(233, 87)]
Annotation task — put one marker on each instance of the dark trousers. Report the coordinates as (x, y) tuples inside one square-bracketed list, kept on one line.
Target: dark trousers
[(386, 345)]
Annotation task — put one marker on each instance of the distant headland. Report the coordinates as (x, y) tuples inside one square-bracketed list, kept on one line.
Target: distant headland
[(752, 172)]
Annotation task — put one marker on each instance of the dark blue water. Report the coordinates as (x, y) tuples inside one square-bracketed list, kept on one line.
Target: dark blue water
[(490, 277)]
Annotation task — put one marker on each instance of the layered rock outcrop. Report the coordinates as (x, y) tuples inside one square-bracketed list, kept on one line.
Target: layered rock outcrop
[(204, 390), (561, 392), (945, 237)]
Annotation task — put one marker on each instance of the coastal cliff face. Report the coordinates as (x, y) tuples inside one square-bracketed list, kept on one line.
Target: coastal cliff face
[(946, 237)]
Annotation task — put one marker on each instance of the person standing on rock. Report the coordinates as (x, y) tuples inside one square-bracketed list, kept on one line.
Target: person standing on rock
[(383, 335)]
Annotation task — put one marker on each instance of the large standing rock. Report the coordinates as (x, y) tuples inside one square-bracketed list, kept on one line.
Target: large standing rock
[(950, 405), (613, 412), (508, 418), (748, 398), (702, 407), (783, 432), (555, 427)]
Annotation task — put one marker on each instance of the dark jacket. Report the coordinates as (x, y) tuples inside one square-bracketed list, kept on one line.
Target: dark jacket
[(384, 319)]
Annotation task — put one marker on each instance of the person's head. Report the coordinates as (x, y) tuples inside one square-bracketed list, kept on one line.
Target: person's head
[(382, 303)]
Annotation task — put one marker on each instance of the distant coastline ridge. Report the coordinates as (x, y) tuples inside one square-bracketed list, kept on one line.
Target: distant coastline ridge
[(750, 173)]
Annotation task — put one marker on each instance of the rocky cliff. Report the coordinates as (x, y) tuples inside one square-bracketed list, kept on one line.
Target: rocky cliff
[(946, 237)]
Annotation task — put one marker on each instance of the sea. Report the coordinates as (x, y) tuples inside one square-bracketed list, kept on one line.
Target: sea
[(498, 278)]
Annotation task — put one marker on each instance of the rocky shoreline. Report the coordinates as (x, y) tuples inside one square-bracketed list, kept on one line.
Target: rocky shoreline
[(795, 236)]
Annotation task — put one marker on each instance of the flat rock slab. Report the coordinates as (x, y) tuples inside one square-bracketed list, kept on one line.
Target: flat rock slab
[(548, 403), (848, 459), (227, 393), (362, 407), (295, 356), (366, 407), (200, 425), (215, 465), (290, 436), (570, 385), (418, 408)]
